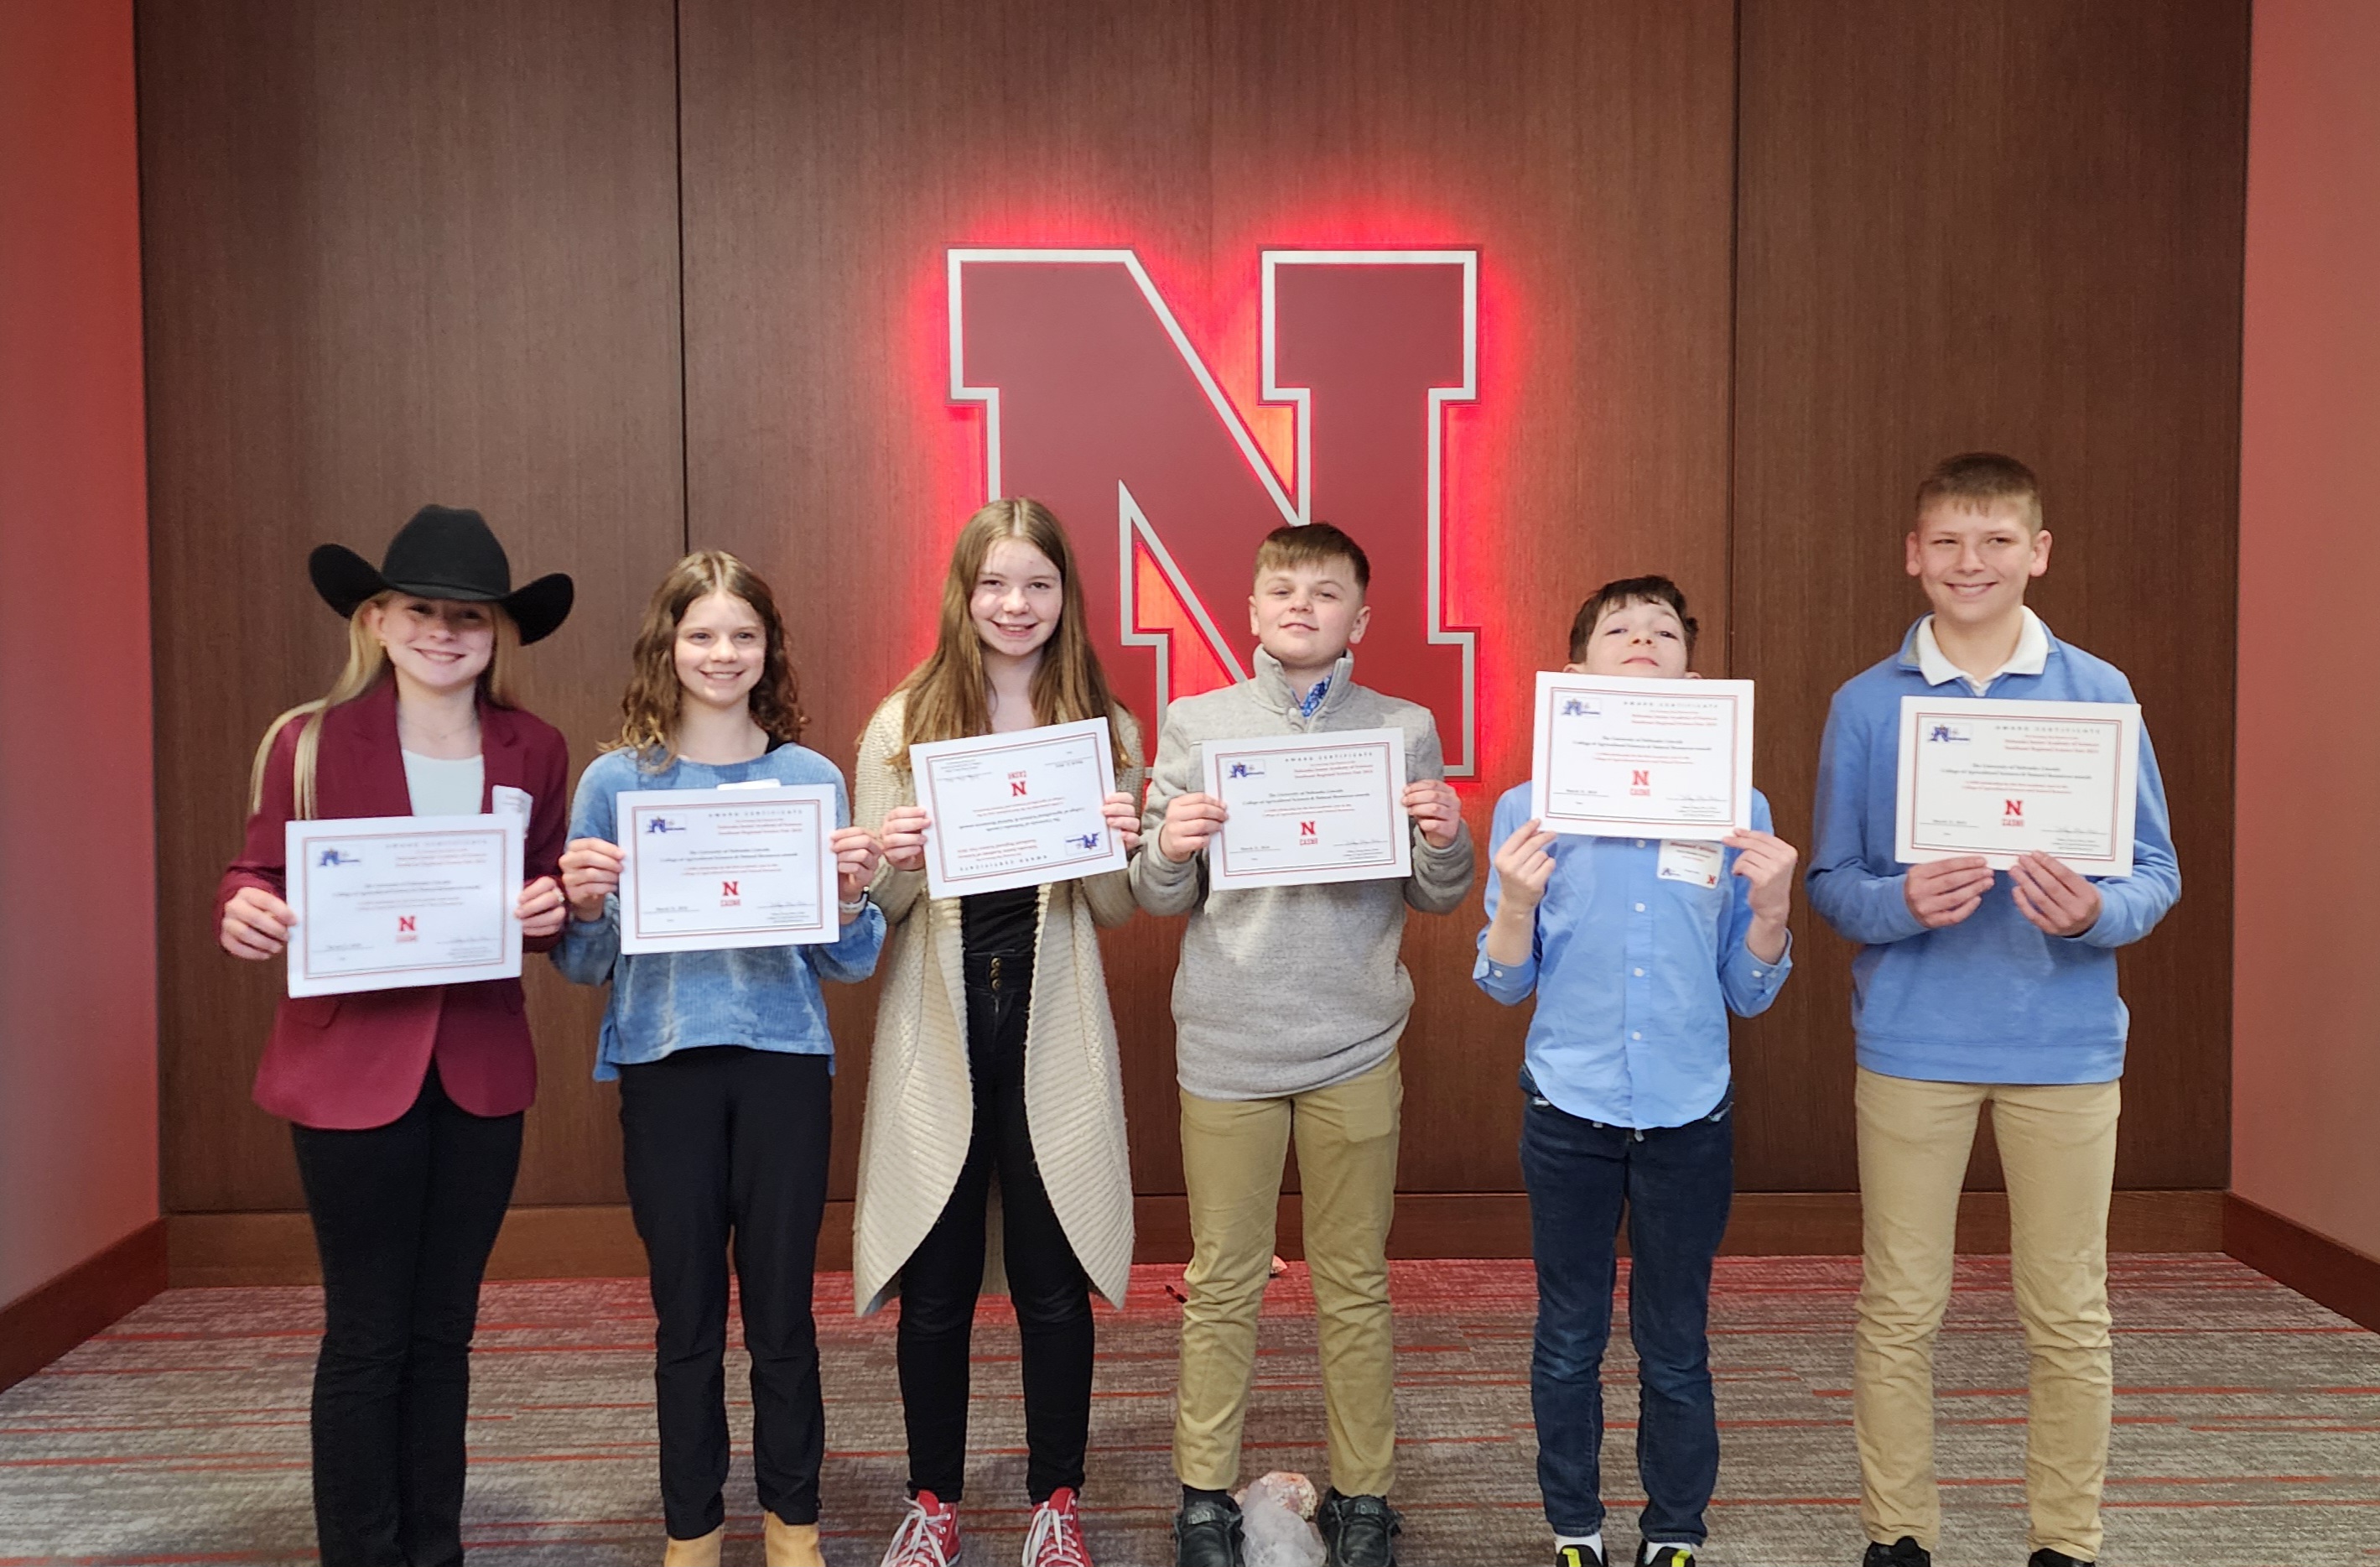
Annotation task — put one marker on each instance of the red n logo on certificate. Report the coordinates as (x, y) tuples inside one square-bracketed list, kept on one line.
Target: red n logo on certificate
[(1097, 402), (404, 921)]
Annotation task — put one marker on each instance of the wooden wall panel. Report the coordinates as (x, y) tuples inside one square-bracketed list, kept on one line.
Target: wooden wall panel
[(831, 152), (395, 252), (2013, 226)]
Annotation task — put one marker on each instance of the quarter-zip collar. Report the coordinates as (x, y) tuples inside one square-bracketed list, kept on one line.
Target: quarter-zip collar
[(1274, 691)]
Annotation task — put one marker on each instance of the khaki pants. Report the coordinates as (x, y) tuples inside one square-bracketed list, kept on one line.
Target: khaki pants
[(2058, 1146), (1232, 1154)]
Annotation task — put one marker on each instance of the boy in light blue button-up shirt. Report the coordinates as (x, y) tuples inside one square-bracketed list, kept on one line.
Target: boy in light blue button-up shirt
[(1636, 949)]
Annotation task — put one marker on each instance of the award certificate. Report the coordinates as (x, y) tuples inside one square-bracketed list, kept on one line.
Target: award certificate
[(1642, 759), (1996, 778), (1017, 809), (1303, 808), (705, 869), (387, 902)]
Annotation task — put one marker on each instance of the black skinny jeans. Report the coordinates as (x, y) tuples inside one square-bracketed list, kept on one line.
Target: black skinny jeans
[(944, 1275), (724, 1141), (405, 1216)]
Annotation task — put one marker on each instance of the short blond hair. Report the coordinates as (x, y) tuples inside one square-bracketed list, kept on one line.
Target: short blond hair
[(1977, 480)]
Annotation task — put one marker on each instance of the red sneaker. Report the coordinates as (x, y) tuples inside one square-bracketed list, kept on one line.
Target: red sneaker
[(1056, 1537), (928, 1534)]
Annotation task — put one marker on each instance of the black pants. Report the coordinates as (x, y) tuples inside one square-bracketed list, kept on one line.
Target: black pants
[(405, 1216), (940, 1283), (719, 1142)]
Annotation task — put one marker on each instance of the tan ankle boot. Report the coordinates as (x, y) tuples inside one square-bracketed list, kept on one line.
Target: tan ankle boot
[(793, 1545), (703, 1552)]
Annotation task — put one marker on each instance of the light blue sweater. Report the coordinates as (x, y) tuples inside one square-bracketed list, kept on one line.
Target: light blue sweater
[(766, 998), (1993, 999)]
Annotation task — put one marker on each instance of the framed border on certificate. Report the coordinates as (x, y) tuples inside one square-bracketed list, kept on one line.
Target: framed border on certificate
[(1990, 776), (1017, 809), (386, 902), (1620, 757), (1303, 809), (707, 870)]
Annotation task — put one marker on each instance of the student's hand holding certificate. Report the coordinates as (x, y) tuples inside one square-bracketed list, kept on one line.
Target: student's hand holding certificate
[(1944, 892), (1525, 864), (1124, 819), (1191, 820), (1436, 810), (905, 838), (2052, 896), (256, 924), (855, 855), (590, 873), (540, 909)]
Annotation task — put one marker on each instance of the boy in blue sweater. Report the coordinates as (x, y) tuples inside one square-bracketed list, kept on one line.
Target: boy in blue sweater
[(1971, 990), (1636, 949)]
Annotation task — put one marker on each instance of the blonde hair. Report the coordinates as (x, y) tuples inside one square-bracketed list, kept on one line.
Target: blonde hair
[(1976, 479), (948, 698), (648, 709), (366, 666)]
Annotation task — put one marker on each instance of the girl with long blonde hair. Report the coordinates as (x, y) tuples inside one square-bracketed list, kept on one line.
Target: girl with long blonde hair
[(404, 1105), (724, 1060), (995, 1059)]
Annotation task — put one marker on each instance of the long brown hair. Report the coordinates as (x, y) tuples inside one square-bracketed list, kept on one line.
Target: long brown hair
[(366, 666), (949, 698), (649, 707)]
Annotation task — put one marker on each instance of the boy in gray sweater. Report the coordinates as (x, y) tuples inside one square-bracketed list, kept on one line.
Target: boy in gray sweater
[(1287, 1008)]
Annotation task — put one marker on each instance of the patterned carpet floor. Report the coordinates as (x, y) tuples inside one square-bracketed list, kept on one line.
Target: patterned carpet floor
[(2247, 1426)]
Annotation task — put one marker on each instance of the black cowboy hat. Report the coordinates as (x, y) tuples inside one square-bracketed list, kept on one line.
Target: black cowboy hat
[(444, 552)]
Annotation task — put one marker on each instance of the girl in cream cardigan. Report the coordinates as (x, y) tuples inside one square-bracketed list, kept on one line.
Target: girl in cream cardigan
[(994, 1086)]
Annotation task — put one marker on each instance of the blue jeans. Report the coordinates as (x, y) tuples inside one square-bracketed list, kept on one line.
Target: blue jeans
[(1675, 1184)]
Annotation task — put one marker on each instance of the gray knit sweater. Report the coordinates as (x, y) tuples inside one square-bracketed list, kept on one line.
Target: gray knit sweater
[(1284, 990)]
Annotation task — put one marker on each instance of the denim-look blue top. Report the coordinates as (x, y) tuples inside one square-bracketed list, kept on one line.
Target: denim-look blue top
[(766, 998)]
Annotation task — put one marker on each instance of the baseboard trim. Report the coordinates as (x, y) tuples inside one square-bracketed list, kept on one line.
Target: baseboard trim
[(2328, 1272), (44, 1322), (599, 1241)]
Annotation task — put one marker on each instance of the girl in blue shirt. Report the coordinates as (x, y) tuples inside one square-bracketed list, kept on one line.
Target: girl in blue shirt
[(1636, 949), (724, 1060)]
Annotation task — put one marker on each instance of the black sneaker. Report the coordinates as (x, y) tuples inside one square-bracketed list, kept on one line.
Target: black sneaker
[(1360, 1531), (1667, 1556), (1578, 1556), (1902, 1552), (2045, 1557), (1206, 1533)]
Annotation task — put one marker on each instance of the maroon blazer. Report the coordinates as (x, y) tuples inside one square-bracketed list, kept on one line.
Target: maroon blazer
[(345, 1063)]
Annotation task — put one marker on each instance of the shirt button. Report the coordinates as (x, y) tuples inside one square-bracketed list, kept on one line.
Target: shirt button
[(1640, 842), (1639, 973), (1639, 908), (1637, 1033)]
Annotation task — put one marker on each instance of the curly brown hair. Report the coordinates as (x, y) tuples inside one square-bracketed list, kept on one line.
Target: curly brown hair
[(649, 707)]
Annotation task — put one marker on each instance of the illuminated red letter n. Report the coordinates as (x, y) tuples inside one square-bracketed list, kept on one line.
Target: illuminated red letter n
[(1096, 403)]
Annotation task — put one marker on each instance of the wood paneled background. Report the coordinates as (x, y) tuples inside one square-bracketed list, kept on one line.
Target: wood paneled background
[(632, 276)]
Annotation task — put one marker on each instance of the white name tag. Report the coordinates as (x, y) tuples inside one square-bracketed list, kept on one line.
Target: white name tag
[(505, 800), (1688, 860)]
